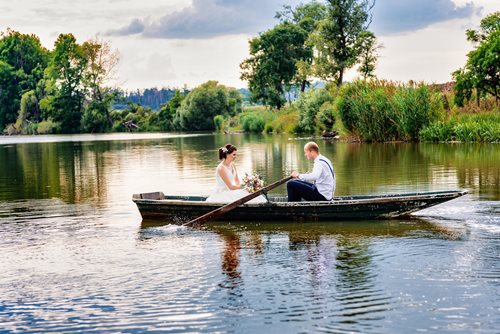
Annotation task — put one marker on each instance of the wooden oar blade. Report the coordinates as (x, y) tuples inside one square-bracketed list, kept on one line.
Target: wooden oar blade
[(228, 207)]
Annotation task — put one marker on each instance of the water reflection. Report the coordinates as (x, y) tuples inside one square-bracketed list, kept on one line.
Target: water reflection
[(328, 270), (89, 171), (77, 257)]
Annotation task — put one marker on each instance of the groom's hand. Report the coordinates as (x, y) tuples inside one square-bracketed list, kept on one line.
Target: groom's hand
[(295, 174)]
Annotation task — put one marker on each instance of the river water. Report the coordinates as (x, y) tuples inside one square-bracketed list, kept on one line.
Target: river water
[(77, 257)]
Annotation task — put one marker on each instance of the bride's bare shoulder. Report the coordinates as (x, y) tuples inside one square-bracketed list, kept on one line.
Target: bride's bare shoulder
[(220, 168)]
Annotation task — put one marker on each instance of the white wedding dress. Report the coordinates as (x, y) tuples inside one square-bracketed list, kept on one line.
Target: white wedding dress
[(223, 194)]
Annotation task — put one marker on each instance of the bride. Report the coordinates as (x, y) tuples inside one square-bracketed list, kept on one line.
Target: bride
[(228, 186)]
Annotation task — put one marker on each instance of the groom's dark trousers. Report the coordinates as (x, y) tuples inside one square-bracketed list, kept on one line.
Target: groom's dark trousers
[(298, 189)]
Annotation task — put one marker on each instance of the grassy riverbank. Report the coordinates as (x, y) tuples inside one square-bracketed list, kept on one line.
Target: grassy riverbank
[(378, 111)]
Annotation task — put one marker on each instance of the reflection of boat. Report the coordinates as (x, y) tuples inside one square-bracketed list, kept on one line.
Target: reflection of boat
[(184, 208)]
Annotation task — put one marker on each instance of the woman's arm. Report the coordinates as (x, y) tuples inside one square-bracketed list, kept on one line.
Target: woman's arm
[(225, 177), (237, 181)]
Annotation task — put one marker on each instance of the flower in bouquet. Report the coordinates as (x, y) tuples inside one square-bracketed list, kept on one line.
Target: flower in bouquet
[(252, 182)]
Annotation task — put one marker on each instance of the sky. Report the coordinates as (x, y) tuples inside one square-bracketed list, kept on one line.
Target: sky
[(184, 43)]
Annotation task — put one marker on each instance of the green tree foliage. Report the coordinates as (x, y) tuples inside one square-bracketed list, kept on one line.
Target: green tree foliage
[(22, 62), (96, 117), (253, 122), (101, 62), (25, 54), (58, 87), (368, 54), (202, 104), (271, 68), (166, 115), (10, 93), (309, 105), (138, 115), (66, 70), (482, 69), (219, 122), (29, 114), (340, 37), (306, 16)]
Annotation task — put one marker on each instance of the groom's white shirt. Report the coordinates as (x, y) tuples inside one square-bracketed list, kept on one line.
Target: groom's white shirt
[(322, 176)]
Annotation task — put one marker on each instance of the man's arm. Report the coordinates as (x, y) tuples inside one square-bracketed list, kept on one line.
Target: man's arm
[(312, 176)]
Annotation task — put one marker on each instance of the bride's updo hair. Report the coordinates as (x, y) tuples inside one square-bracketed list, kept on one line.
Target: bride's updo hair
[(225, 150)]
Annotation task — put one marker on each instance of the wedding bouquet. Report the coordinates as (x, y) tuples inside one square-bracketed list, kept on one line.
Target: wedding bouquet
[(253, 182)]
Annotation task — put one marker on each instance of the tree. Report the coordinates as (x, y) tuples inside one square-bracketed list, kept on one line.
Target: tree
[(166, 115), (101, 67), (338, 39), (271, 68), (368, 54), (24, 53), (306, 16), (10, 93), (482, 69), (22, 62), (96, 117), (201, 105), (29, 113), (66, 71)]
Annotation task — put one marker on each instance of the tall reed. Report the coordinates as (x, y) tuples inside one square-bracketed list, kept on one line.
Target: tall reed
[(383, 111), (483, 127)]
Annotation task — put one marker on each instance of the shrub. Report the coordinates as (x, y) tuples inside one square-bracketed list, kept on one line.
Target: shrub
[(252, 122), (95, 117), (309, 105), (219, 122), (325, 119), (47, 127), (268, 128)]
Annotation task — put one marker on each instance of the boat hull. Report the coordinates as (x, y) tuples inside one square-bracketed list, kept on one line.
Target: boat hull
[(180, 209)]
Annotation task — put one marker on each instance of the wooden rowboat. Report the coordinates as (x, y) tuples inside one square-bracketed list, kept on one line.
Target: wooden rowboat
[(180, 209)]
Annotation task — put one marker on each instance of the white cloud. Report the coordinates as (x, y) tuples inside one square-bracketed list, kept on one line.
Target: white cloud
[(430, 53), (396, 16), (207, 19)]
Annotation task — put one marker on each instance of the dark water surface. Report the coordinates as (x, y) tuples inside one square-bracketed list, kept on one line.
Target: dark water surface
[(77, 257)]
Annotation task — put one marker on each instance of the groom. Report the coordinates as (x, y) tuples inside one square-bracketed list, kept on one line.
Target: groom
[(322, 175)]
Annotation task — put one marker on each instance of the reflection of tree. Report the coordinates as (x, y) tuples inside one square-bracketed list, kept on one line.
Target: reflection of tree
[(72, 171), (29, 171), (81, 171), (360, 168), (476, 166), (372, 168)]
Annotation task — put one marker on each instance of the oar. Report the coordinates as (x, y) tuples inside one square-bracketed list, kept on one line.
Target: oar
[(228, 207)]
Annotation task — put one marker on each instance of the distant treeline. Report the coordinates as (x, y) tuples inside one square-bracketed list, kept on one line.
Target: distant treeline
[(154, 98)]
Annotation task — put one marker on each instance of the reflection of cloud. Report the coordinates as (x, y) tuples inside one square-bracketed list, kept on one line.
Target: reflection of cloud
[(395, 16), (208, 18)]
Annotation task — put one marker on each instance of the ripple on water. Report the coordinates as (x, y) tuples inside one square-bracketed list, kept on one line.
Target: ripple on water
[(86, 275)]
